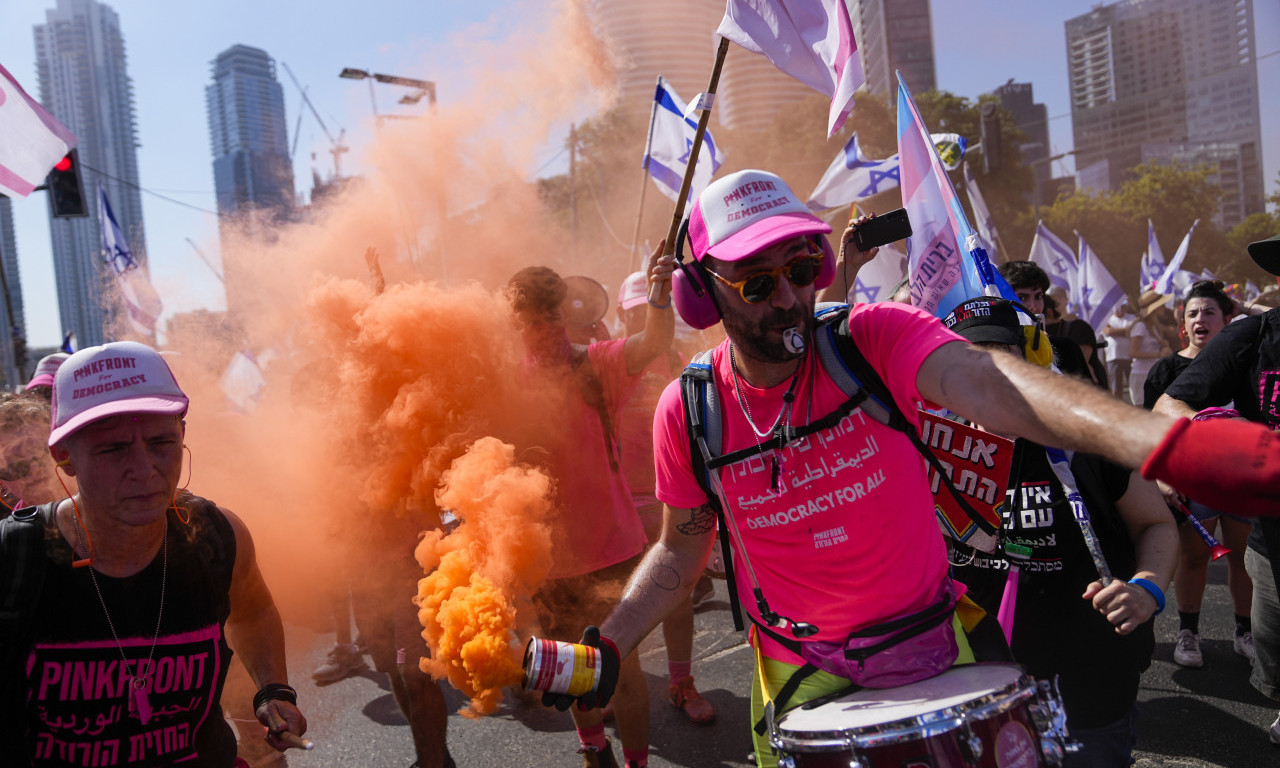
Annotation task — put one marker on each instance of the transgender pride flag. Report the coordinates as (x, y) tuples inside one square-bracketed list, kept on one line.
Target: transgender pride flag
[(945, 259)]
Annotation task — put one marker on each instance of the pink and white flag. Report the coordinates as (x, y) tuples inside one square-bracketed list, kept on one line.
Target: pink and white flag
[(31, 140), (811, 40)]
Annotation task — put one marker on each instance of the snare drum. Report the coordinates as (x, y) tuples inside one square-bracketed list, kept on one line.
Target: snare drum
[(980, 715)]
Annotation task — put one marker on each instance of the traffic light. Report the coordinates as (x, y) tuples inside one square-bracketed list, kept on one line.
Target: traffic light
[(66, 190), (991, 145)]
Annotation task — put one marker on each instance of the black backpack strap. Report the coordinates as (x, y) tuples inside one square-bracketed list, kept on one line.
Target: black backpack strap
[(23, 567), (593, 392), (704, 425), (847, 366)]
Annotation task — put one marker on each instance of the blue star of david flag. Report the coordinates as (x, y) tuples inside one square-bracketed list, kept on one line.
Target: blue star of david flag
[(141, 303), (670, 142), (852, 176)]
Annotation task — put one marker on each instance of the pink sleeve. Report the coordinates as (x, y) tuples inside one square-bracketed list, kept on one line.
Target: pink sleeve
[(609, 359), (896, 339), (675, 483)]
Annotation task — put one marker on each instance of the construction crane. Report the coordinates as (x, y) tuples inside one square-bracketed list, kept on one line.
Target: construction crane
[(338, 147)]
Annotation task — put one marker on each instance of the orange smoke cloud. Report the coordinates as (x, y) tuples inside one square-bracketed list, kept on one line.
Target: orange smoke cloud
[(477, 575)]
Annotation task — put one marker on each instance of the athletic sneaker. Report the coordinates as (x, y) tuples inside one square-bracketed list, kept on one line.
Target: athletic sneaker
[(684, 697), (1187, 650), (602, 759), (343, 662), (1244, 646), (1274, 732)]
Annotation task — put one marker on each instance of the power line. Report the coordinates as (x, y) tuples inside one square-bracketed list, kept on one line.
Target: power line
[(128, 183)]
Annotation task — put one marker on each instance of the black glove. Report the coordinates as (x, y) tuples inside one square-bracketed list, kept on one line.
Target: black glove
[(610, 664)]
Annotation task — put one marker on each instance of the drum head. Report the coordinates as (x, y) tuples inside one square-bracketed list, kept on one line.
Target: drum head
[(946, 693)]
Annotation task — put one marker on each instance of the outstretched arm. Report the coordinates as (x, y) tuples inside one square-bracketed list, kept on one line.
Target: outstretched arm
[(659, 321), (664, 577), (255, 632), (1008, 395), (1204, 460)]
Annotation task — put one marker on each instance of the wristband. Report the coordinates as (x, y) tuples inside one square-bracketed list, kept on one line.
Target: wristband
[(1155, 591), (659, 306), (274, 692)]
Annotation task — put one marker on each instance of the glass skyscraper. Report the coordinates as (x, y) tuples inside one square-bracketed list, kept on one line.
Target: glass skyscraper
[(80, 64), (251, 165)]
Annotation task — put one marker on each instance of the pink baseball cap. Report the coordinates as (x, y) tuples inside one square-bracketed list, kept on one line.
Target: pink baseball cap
[(634, 291), (120, 377), (46, 368), (746, 212)]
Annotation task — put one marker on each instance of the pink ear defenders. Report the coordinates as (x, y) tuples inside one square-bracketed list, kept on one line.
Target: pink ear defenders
[(691, 284)]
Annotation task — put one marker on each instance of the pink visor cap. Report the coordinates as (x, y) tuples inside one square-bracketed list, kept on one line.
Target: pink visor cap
[(634, 291), (746, 212), (46, 368), (115, 378)]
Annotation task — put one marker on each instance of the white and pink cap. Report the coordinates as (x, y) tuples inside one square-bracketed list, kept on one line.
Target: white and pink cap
[(634, 291), (745, 212), (45, 369), (120, 377)]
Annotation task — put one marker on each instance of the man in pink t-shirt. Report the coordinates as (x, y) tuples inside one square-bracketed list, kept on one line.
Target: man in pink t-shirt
[(838, 526), (597, 535)]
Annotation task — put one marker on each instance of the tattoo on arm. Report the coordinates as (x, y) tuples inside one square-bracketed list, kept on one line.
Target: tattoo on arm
[(701, 520)]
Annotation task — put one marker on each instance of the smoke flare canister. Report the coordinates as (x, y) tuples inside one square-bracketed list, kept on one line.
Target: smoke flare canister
[(557, 667)]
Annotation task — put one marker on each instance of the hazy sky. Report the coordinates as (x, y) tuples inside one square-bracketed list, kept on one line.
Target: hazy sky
[(979, 44)]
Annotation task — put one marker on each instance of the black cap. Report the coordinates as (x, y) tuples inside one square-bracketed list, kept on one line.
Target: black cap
[(1266, 254), (986, 319)]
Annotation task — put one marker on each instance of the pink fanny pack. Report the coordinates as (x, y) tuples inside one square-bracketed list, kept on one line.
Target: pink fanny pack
[(897, 652)]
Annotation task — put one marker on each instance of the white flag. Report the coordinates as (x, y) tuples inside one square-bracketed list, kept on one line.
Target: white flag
[(1165, 284), (670, 142), (140, 298), (1153, 265), (982, 217), (1097, 292), (1055, 258), (31, 140), (877, 277), (852, 177), (811, 40)]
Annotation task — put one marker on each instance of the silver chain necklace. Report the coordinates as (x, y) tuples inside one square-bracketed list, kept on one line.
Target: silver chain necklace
[(137, 679), (787, 398)]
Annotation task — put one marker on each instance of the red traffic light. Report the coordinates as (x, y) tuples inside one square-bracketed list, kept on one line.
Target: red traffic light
[(64, 164)]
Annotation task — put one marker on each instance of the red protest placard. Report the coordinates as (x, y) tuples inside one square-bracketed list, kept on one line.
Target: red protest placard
[(978, 464)]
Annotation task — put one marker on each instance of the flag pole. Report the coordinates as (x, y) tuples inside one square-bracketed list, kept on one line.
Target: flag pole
[(644, 177), (678, 214)]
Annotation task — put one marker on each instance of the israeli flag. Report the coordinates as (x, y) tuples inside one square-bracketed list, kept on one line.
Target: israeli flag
[(852, 176), (1165, 284), (1055, 258), (1097, 292), (1153, 265), (141, 302), (877, 277), (670, 143)]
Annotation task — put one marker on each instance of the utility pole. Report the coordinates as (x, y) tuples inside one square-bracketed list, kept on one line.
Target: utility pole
[(573, 200)]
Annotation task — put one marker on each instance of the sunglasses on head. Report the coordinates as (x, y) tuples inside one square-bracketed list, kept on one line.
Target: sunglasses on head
[(759, 286)]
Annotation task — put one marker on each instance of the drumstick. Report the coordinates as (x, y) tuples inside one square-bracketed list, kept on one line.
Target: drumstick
[(1216, 550), (294, 740)]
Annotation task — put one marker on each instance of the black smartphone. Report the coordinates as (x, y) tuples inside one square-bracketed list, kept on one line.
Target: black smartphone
[(883, 229)]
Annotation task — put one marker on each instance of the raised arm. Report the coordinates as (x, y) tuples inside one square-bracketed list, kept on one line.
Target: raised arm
[(659, 321), (664, 577), (848, 261)]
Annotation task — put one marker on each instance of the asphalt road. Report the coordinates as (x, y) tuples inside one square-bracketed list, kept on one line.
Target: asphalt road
[(1187, 718)]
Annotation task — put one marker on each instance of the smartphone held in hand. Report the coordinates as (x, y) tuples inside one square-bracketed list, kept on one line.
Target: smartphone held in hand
[(882, 230)]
